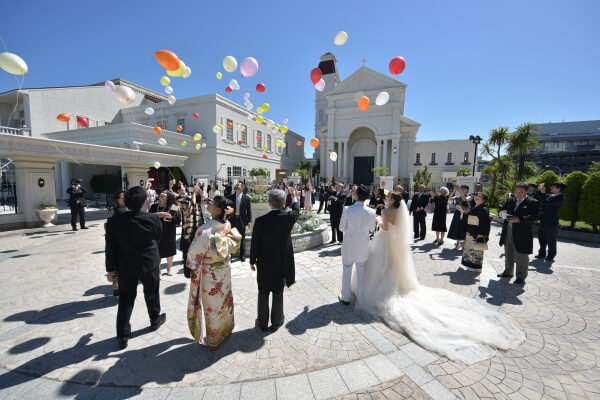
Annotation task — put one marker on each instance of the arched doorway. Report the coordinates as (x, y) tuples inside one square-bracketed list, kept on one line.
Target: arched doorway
[(362, 147)]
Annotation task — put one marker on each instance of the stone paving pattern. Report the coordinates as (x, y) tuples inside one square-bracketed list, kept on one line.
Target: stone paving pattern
[(58, 326)]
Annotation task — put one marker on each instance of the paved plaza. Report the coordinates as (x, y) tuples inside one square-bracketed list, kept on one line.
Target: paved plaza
[(57, 336)]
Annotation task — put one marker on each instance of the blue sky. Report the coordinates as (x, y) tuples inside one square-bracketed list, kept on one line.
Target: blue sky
[(471, 64)]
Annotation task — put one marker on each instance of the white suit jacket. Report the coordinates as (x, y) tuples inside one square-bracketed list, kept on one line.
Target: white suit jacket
[(357, 222)]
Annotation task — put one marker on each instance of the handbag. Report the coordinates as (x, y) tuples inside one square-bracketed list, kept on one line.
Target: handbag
[(480, 246), (429, 208)]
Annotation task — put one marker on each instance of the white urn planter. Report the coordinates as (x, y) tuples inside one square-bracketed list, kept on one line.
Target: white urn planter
[(47, 216), (389, 182)]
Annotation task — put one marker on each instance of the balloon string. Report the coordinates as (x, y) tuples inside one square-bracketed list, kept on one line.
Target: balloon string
[(20, 85)]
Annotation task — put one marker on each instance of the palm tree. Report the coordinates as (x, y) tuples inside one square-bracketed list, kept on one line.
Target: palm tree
[(493, 148), (520, 143)]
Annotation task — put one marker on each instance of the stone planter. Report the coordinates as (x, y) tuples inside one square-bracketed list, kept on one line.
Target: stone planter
[(388, 181), (258, 210), (47, 216), (302, 241)]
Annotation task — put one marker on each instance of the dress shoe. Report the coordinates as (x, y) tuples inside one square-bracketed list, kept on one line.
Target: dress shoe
[(242, 259), (262, 328), (540, 256), (332, 242), (519, 281), (84, 227), (343, 301), (416, 236), (503, 275), (274, 328), (162, 318), (123, 343), (341, 242), (74, 228)]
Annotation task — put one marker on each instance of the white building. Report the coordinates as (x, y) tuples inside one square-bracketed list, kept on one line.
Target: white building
[(382, 136)]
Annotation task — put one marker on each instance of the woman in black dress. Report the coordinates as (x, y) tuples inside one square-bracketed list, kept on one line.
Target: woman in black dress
[(461, 200), (170, 217), (377, 201), (440, 210)]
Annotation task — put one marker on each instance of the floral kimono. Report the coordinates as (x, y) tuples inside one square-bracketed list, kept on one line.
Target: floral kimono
[(210, 289)]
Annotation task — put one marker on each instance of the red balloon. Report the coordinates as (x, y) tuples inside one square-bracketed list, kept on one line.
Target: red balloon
[(315, 75), (240, 142), (397, 65), (82, 121), (265, 156), (196, 115), (228, 89), (260, 87)]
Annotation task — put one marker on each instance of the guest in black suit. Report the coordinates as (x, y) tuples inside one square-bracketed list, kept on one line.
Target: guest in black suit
[(337, 199), (417, 209), (550, 206), (227, 189), (273, 254), (241, 218), (118, 208), (77, 203), (519, 213), (132, 250)]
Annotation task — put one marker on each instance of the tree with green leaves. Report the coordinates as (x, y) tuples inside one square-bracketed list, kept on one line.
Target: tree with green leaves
[(588, 202), (381, 171), (570, 210), (463, 172), (258, 172), (595, 167), (422, 177), (520, 143), (548, 178), (499, 166)]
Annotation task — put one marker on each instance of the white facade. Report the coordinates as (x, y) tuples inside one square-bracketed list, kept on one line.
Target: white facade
[(443, 158)]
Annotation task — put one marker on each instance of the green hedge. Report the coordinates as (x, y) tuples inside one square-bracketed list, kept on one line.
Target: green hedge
[(589, 211)]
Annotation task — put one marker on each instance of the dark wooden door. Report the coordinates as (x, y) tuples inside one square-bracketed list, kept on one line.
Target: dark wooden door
[(363, 173)]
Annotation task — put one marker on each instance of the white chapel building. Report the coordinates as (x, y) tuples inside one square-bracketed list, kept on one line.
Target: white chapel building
[(382, 136)]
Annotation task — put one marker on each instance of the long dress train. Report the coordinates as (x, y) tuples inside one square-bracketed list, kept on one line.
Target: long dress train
[(458, 327)]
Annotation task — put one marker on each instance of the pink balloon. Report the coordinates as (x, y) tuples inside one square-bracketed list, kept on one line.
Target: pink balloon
[(249, 67), (320, 86), (110, 86), (246, 96), (285, 121)]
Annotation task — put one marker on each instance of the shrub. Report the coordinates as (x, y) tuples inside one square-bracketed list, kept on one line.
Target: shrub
[(588, 202), (575, 181), (381, 171), (547, 178), (46, 207)]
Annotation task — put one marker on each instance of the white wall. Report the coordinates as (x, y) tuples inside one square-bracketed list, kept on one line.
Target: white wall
[(442, 148)]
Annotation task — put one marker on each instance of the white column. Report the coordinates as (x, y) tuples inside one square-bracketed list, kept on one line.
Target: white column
[(346, 161), (338, 163), (322, 153), (377, 151), (65, 177), (330, 167), (385, 146)]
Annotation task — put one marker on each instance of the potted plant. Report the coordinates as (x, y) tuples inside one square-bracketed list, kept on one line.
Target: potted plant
[(47, 213)]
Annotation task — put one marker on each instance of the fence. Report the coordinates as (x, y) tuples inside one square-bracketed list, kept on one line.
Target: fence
[(8, 187)]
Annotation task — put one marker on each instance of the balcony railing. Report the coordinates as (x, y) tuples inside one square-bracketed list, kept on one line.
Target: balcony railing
[(15, 131)]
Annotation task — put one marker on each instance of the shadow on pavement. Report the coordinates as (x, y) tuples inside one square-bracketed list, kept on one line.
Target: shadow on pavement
[(541, 266), (331, 253), (174, 289), (461, 276), (323, 316)]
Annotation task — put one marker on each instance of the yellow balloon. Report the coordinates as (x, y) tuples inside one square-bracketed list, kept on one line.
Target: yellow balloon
[(156, 165), (265, 148), (165, 81), (197, 137), (279, 143), (179, 71), (220, 126), (217, 129), (230, 63), (283, 129), (260, 110), (13, 64), (219, 75), (184, 143), (266, 107), (198, 146), (259, 119)]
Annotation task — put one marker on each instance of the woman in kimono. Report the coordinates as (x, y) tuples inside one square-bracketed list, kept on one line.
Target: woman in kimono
[(477, 227), (210, 289)]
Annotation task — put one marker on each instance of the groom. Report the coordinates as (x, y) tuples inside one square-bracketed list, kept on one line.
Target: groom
[(357, 222)]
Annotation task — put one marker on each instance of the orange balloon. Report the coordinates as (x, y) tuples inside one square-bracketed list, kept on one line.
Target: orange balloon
[(167, 59), (229, 125), (157, 130), (314, 142), (179, 128), (63, 117), (299, 143), (363, 103), (257, 137)]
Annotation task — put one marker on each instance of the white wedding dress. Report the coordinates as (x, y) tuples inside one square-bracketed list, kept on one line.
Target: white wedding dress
[(439, 320)]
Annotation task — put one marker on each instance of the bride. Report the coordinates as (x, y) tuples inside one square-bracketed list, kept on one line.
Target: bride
[(442, 321)]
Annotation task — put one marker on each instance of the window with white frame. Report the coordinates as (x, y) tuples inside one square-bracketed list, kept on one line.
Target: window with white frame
[(269, 143), (433, 158), (259, 139), (162, 123), (244, 134), (418, 158), (229, 172), (181, 121), (244, 172), (466, 157), (229, 128), (237, 171), (449, 160)]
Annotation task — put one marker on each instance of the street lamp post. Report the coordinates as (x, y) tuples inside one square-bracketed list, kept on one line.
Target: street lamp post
[(476, 140), (554, 166)]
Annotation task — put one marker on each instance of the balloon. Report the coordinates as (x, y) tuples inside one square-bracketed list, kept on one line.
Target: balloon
[(285, 121), (265, 106), (397, 65), (157, 130), (167, 59), (82, 121), (13, 64), (63, 117), (156, 165), (197, 137), (249, 67), (162, 141), (198, 146), (219, 75), (260, 110), (220, 126), (179, 71), (314, 142), (260, 87), (229, 125), (179, 128), (230, 63), (299, 143), (279, 143), (320, 86), (110, 85), (216, 129), (315, 75), (234, 84), (283, 129), (149, 111), (168, 90), (171, 99), (257, 137), (265, 148), (187, 73), (203, 145), (259, 119), (265, 156), (228, 89), (340, 39), (382, 98), (196, 115), (363, 103), (246, 96), (333, 156), (165, 80), (124, 94), (184, 143)]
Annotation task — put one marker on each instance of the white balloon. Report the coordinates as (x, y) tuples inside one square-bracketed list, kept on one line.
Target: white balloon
[(320, 86), (13, 64), (187, 73), (285, 121), (156, 165), (203, 145), (168, 90), (216, 129), (333, 156), (230, 63), (149, 111), (162, 141), (382, 98), (234, 84), (246, 96), (124, 94), (171, 99), (340, 39)]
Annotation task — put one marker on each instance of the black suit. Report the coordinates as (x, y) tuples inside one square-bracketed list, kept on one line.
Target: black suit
[(272, 252), (336, 207), (405, 196), (550, 206), (419, 200), (243, 219), (77, 205), (132, 248)]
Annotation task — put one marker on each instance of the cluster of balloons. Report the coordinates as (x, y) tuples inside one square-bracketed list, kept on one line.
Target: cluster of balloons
[(172, 64), (248, 68), (13, 64), (123, 93), (316, 77)]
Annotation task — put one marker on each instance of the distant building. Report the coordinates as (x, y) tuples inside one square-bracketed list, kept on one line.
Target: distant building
[(567, 146)]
